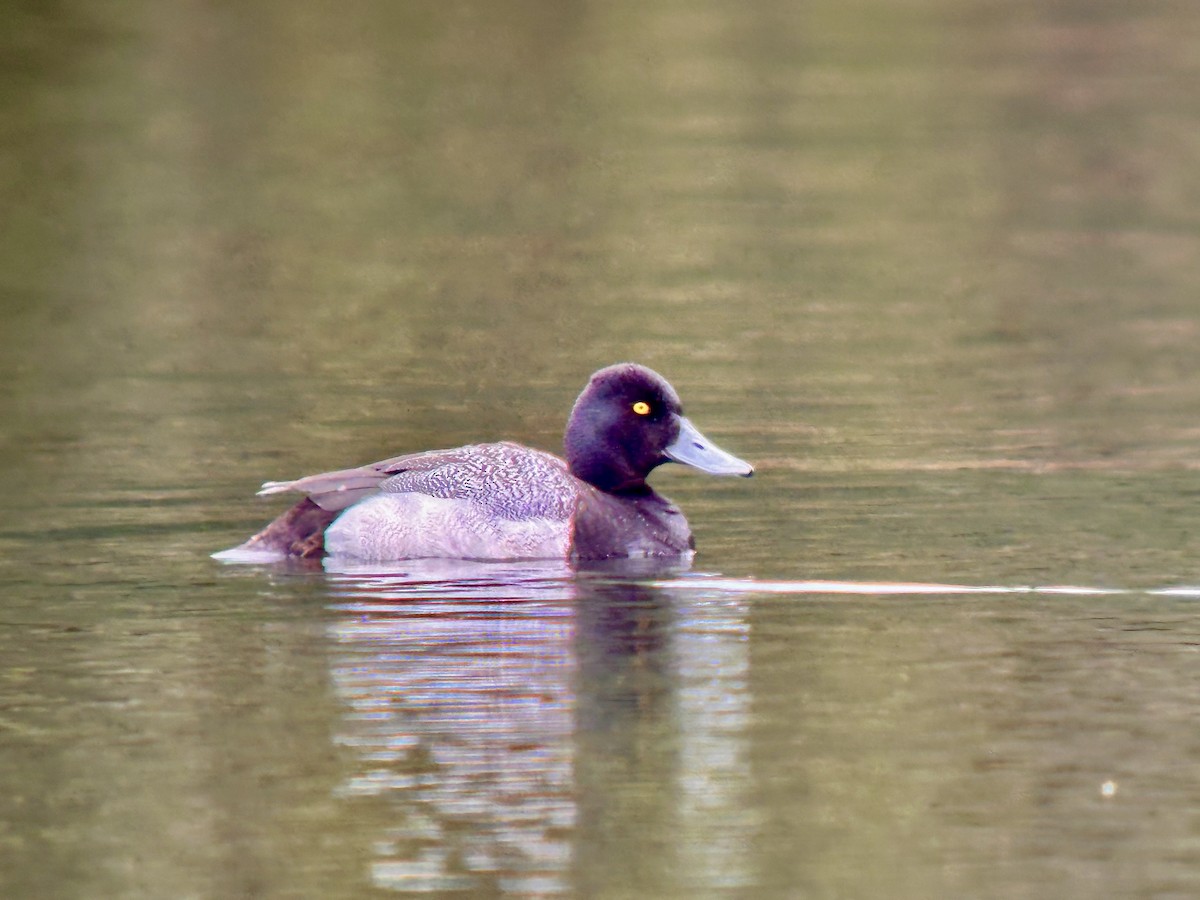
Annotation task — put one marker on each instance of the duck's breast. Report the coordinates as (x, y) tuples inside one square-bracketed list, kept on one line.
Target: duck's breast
[(607, 525)]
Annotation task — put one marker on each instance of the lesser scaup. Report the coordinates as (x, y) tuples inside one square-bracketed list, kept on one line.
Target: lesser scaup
[(506, 501)]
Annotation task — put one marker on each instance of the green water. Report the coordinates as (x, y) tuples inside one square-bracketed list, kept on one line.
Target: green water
[(930, 266)]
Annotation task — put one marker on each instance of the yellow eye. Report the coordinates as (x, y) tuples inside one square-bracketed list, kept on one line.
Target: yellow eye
[(642, 408)]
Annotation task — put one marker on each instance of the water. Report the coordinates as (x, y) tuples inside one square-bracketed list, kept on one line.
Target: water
[(930, 267)]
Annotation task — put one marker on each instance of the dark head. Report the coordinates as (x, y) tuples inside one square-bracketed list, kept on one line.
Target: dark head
[(627, 421)]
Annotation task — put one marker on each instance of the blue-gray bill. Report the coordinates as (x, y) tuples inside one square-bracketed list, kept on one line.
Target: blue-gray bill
[(693, 449)]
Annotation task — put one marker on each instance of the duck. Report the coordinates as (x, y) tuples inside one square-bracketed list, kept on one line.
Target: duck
[(506, 501)]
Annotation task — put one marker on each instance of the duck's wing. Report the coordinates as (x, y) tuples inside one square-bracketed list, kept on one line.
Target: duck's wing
[(516, 480), (336, 490), (507, 480)]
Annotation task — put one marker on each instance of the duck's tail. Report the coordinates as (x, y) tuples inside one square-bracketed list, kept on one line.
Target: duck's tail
[(298, 532)]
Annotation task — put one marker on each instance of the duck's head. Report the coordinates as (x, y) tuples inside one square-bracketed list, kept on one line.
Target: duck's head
[(629, 420)]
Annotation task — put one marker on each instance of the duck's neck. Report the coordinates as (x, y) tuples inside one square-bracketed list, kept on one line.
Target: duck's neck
[(604, 473), (590, 459)]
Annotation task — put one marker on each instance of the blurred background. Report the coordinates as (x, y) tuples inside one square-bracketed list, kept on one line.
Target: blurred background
[(931, 266), (254, 240)]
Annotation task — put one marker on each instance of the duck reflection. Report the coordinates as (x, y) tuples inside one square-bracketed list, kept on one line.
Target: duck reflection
[(538, 730), (662, 720)]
